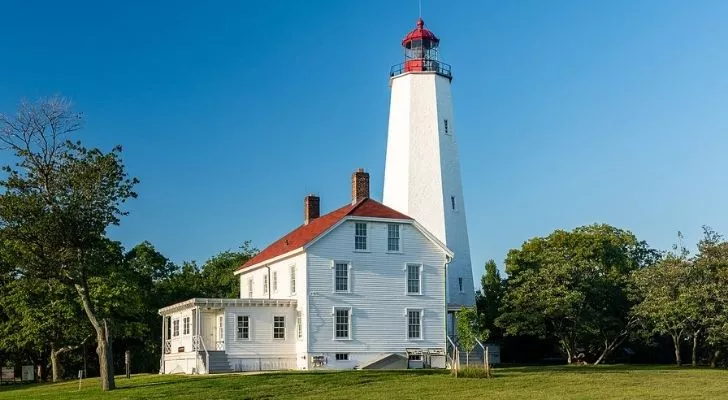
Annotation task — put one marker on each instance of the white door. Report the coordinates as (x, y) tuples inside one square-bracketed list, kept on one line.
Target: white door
[(209, 330)]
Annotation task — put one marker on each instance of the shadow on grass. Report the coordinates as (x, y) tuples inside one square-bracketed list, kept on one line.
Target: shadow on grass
[(588, 369)]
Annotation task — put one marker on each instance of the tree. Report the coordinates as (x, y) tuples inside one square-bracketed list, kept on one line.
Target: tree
[(466, 321), (59, 199), (573, 287), (665, 307), (42, 317), (712, 260), (218, 279), (489, 300)]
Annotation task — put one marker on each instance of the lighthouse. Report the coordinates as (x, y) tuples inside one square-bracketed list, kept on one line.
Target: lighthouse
[(422, 171)]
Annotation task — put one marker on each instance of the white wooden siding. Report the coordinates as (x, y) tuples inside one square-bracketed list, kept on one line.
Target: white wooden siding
[(261, 342), (283, 269), (377, 294)]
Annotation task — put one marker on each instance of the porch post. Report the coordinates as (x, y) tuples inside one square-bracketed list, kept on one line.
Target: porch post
[(164, 341)]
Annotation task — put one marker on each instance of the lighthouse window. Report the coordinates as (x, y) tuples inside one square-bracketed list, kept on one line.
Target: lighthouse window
[(460, 284), (452, 202), (447, 130)]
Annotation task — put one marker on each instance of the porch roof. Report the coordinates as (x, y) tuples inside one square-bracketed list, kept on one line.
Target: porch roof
[(223, 303)]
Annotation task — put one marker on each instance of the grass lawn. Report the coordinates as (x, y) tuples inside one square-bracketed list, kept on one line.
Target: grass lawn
[(604, 382)]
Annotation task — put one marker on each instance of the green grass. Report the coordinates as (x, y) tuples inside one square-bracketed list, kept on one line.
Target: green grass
[(604, 382)]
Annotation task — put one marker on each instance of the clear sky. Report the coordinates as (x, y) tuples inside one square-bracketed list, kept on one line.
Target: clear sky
[(568, 112)]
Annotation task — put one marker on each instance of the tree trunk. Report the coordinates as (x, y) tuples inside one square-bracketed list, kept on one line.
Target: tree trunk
[(55, 365), (695, 347), (676, 342), (714, 358), (106, 357)]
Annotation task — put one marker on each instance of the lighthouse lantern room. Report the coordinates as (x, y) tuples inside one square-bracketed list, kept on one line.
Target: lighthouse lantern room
[(421, 53)]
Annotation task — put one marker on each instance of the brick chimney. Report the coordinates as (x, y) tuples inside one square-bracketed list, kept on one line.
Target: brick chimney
[(359, 185), (311, 208)]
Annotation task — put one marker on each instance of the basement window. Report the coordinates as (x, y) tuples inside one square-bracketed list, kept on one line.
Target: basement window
[(342, 356)]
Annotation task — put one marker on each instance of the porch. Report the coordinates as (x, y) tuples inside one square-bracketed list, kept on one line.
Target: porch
[(204, 335)]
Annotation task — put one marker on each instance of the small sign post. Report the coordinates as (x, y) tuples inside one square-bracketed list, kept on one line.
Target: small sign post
[(127, 361)]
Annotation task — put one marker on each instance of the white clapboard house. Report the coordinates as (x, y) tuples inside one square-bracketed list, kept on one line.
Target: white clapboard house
[(360, 287)]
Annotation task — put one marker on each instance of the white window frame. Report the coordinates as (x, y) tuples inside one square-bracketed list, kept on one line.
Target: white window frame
[(366, 236), (221, 327), (175, 327), (407, 324), (265, 284), (350, 317), (399, 238), (275, 281), (420, 268), (250, 288), (186, 326), (238, 328), (292, 270), (299, 325), (334, 263), (284, 327)]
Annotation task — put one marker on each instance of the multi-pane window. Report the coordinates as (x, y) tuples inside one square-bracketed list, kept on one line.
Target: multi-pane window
[(393, 237), (275, 281), (414, 324), (342, 356), (186, 325), (299, 326), (293, 279), (279, 327), (360, 236), (220, 328), (265, 284), (341, 277), (413, 279), (342, 323), (243, 327), (250, 288), (175, 328)]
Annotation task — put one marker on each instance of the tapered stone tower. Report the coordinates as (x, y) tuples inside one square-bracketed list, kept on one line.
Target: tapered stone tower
[(422, 172)]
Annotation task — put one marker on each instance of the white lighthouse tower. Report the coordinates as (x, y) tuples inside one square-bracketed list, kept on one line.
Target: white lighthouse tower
[(422, 172)]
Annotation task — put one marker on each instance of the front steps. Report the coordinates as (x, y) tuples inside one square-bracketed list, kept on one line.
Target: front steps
[(218, 362)]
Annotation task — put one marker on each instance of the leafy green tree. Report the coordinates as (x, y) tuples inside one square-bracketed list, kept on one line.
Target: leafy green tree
[(573, 287), (712, 259), (466, 325), (217, 275), (59, 199), (489, 300), (665, 307)]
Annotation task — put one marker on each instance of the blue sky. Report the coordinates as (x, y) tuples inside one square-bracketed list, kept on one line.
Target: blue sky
[(568, 112)]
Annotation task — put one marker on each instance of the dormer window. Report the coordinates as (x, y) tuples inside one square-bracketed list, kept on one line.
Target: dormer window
[(360, 236)]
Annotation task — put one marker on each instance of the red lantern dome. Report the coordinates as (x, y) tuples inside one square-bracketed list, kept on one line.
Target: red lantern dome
[(419, 33), (421, 53)]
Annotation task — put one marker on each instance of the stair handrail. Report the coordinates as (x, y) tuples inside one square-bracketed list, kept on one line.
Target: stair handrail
[(454, 349), (485, 352), (198, 339)]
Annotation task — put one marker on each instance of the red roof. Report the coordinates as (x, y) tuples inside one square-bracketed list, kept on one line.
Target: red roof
[(419, 33), (304, 234)]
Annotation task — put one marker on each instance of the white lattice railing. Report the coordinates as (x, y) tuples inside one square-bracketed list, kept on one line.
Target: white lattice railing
[(167, 346)]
